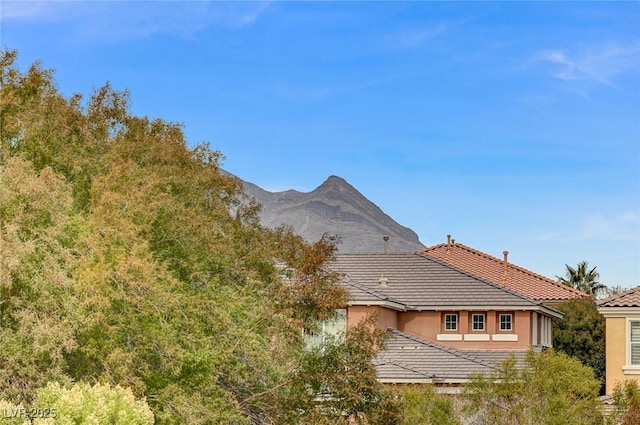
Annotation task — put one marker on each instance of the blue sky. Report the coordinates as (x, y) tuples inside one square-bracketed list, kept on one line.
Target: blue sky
[(510, 125)]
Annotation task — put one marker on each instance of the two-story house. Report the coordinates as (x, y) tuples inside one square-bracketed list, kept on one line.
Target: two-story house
[(622, 315), (443, 323)]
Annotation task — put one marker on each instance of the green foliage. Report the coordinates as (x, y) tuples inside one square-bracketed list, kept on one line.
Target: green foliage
[(99, 404), (423, 406), (583, 279), (336, 383), (547, 389), (37, 304), (13, 414), (626, 399), (132, 260), (581, 334)]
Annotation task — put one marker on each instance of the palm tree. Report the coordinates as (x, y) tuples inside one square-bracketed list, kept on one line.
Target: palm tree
[(583, 279)]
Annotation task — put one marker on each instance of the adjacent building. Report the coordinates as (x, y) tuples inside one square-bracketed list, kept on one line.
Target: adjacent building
[(622, 314)]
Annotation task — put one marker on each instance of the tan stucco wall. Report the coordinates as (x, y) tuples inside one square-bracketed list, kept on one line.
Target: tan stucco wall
[(616, 352)]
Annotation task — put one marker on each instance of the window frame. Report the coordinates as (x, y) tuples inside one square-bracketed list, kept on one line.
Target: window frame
[(510, 322), (483, 322), (334, 327), (633, 344), (455, 316)]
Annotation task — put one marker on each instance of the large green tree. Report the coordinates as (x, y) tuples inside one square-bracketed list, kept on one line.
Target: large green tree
[(581, 334), (131, 259), (546, 389)]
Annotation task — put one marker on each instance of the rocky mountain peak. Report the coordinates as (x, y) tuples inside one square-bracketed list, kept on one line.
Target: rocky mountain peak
[(334, 207)]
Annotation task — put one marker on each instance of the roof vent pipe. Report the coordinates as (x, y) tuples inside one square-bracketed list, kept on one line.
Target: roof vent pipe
[(506, 264), (448, 242), (385, 238)]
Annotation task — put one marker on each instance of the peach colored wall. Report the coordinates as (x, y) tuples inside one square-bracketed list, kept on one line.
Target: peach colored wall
[(387, 318), (616, 352), (522, 326), (423, 324), (428, 324)]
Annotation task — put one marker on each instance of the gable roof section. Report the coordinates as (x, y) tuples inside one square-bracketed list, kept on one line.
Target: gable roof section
[(408, 359), (629, 298), (487, 267), (419, 282)]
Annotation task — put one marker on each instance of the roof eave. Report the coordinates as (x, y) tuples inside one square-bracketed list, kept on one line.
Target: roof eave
[(405, 380), (382, 303), (619, 311), (548, 311)]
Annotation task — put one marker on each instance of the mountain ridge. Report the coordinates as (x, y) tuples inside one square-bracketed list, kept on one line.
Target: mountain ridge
[(334, 207)]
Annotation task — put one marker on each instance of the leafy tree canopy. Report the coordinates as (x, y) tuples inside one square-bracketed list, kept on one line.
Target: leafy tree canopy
[(547, 389), (131, 259), (583, 279), (581, 334)]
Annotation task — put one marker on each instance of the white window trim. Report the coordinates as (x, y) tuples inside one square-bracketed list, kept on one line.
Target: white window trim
[(628, 368), (484, 322), (504, 337), (500, 322), (456, 322), (477, 337), (449, 337)]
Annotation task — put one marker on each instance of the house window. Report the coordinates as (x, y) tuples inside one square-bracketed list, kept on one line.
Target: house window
[(634, 342), (506, 322), (477, 322), (451, 322), (331, 329)]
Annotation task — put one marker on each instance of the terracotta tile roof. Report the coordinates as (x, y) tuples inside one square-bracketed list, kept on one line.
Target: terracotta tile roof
[(629, 298), (487, 267)]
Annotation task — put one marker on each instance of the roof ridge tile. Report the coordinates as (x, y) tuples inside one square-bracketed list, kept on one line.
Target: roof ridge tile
[(616, 297), (487, 281), (498, 261)]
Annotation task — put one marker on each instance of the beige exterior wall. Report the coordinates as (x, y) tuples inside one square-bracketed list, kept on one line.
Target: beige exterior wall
[(617, 367)]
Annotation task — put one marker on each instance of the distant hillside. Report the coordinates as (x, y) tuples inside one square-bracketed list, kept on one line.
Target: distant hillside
[(334, 207)]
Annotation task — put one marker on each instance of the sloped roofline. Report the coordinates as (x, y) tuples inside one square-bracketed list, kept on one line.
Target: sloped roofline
[(500, 262), (398, 305), (453, 351), (383, 300), (615, 301)]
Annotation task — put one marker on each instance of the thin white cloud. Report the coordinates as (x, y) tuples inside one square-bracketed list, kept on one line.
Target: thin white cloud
[(36, 10), (597, 227), (601, 65), (415, 38), (614, 228), (125, 20)]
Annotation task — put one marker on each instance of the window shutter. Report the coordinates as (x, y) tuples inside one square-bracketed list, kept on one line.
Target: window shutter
[(635, 342)]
